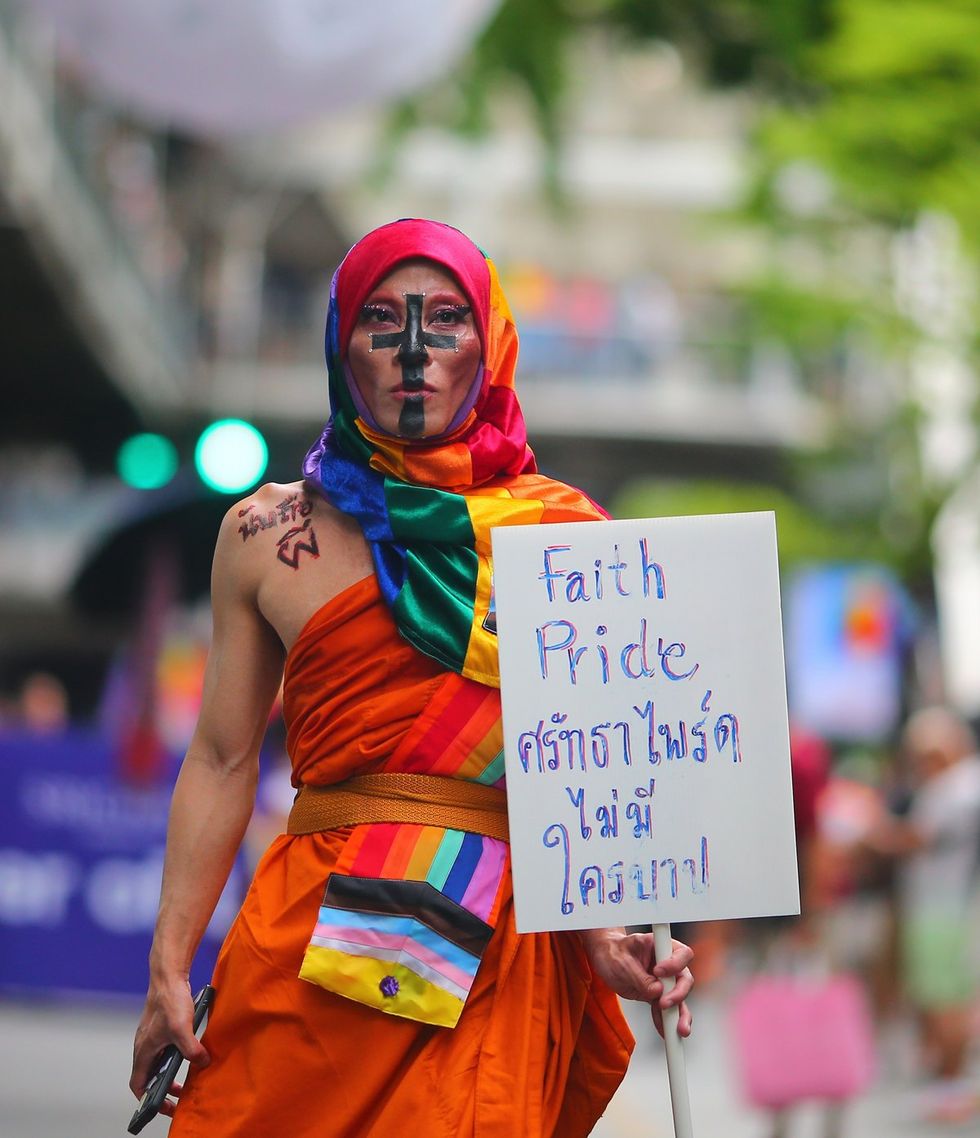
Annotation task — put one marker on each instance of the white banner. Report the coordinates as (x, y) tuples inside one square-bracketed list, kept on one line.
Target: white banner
[(645, 725)]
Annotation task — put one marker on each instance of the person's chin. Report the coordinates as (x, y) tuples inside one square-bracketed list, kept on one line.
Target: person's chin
[(435, 424)]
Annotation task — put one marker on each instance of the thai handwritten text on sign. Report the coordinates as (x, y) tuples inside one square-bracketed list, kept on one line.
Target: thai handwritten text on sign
[(645, 721)]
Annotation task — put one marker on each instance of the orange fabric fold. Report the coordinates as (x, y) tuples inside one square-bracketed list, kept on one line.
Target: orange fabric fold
[(541, 1046), (352, 688)]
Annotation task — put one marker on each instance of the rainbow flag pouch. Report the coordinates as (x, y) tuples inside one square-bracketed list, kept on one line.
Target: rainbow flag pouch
[(408, 946)]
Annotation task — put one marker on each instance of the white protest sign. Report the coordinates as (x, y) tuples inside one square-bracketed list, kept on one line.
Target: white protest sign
[(645, 727)]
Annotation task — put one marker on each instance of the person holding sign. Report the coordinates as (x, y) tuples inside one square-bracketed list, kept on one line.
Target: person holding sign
[(368, 588)]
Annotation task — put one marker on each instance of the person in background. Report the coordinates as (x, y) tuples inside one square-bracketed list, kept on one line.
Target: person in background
[(43, 704), (369, 585), (936, 845), (810, 768)]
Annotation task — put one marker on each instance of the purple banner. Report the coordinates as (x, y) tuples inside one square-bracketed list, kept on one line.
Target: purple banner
[(80, 862)]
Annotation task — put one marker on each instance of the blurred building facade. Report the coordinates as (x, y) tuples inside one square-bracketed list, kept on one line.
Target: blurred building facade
[(158, 280)]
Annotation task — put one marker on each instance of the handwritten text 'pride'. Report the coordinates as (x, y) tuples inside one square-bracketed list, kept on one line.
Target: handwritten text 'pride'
[(639, 658)]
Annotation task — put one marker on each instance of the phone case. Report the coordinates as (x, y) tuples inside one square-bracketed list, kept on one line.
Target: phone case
[(170, 1061)]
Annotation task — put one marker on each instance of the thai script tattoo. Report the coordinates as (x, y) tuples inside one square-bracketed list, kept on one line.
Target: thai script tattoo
[(289, 510)]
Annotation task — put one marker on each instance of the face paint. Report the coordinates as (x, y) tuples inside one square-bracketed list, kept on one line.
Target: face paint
[(412, 343), (411, 421), (414, 387)]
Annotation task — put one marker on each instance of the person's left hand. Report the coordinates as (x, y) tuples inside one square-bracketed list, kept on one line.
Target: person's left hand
[(628, 964)]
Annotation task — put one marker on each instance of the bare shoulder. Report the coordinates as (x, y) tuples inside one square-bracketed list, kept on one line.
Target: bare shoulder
[(260, 519), (268, 507), (278, 514), (288, 551)]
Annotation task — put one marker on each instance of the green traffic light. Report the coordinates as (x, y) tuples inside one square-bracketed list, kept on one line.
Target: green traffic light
[(231, 455), (146, 461)]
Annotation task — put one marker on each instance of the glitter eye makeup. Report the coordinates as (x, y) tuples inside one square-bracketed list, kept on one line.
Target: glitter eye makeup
[(377, 314), (451, 314)]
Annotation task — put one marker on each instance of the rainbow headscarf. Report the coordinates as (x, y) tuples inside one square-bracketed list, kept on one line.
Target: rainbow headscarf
[(426, 506)]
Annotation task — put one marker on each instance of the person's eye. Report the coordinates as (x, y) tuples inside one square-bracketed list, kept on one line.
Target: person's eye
[(377, 314), (451, 314)]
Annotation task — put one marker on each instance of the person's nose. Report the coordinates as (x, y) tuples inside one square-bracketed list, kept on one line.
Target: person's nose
[(412, 349)]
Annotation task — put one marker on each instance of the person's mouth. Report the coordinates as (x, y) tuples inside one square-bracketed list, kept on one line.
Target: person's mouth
[(402, 390)]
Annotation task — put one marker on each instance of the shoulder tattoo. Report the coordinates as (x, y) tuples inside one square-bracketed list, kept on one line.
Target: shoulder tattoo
[(290, 509), (297, 540)]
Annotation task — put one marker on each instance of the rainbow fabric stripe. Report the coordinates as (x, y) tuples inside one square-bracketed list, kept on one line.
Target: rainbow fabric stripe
[(460, 734), (426, 507), (409, 910)]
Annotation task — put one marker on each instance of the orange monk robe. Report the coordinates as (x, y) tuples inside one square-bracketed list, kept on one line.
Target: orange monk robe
[(541, 1045)]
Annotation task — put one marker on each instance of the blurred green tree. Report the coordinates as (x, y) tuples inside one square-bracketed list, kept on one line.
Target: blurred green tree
[(885, 94), (887, 101), (877, 130), (528, 47)]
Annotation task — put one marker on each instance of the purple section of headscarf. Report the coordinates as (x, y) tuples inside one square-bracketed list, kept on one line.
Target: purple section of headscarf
[(311, 463)]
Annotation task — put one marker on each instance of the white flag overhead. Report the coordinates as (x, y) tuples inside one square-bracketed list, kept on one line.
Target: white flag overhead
[(232, 66), (645, 724)]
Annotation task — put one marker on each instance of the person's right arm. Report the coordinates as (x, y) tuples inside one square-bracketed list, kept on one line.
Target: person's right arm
[(213, 798)]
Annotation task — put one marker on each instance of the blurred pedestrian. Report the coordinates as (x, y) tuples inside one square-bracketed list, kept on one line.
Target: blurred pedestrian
[(937, 845), (802, 1031), (43, 704), (810, 766)]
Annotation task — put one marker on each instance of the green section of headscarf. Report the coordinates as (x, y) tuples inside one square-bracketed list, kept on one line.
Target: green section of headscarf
[(424, 513), (438, 579), (440, 575)]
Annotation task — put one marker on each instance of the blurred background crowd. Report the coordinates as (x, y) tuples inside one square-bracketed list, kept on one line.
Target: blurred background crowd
[(740, 241)]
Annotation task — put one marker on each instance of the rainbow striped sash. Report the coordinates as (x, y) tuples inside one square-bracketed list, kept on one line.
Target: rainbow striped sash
[(409, 909)]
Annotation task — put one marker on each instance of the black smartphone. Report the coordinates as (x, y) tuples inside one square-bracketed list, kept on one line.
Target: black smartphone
[(169, 1065)]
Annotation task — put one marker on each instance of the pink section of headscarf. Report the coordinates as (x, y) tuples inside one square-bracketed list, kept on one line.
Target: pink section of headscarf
[(375, 255)]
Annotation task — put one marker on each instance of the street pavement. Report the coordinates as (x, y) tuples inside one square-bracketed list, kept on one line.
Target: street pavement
[(65, 1068)]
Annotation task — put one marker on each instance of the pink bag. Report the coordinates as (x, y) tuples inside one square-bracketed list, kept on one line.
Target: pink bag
[(802, 1037)]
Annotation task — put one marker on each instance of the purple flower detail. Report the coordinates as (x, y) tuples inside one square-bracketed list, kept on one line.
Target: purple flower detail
[(389, 986)]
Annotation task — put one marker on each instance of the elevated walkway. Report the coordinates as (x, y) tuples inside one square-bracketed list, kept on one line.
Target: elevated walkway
[(130, 327)]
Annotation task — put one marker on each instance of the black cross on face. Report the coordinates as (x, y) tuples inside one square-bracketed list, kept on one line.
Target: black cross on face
[(412, 342)]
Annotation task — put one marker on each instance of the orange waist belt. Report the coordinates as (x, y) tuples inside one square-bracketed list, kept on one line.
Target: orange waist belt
[(416, 799)]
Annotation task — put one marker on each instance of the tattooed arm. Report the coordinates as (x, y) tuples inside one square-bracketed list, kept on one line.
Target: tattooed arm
[(213, 797)]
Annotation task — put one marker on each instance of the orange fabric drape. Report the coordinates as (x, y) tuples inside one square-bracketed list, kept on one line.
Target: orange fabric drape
[(541, 1045)]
